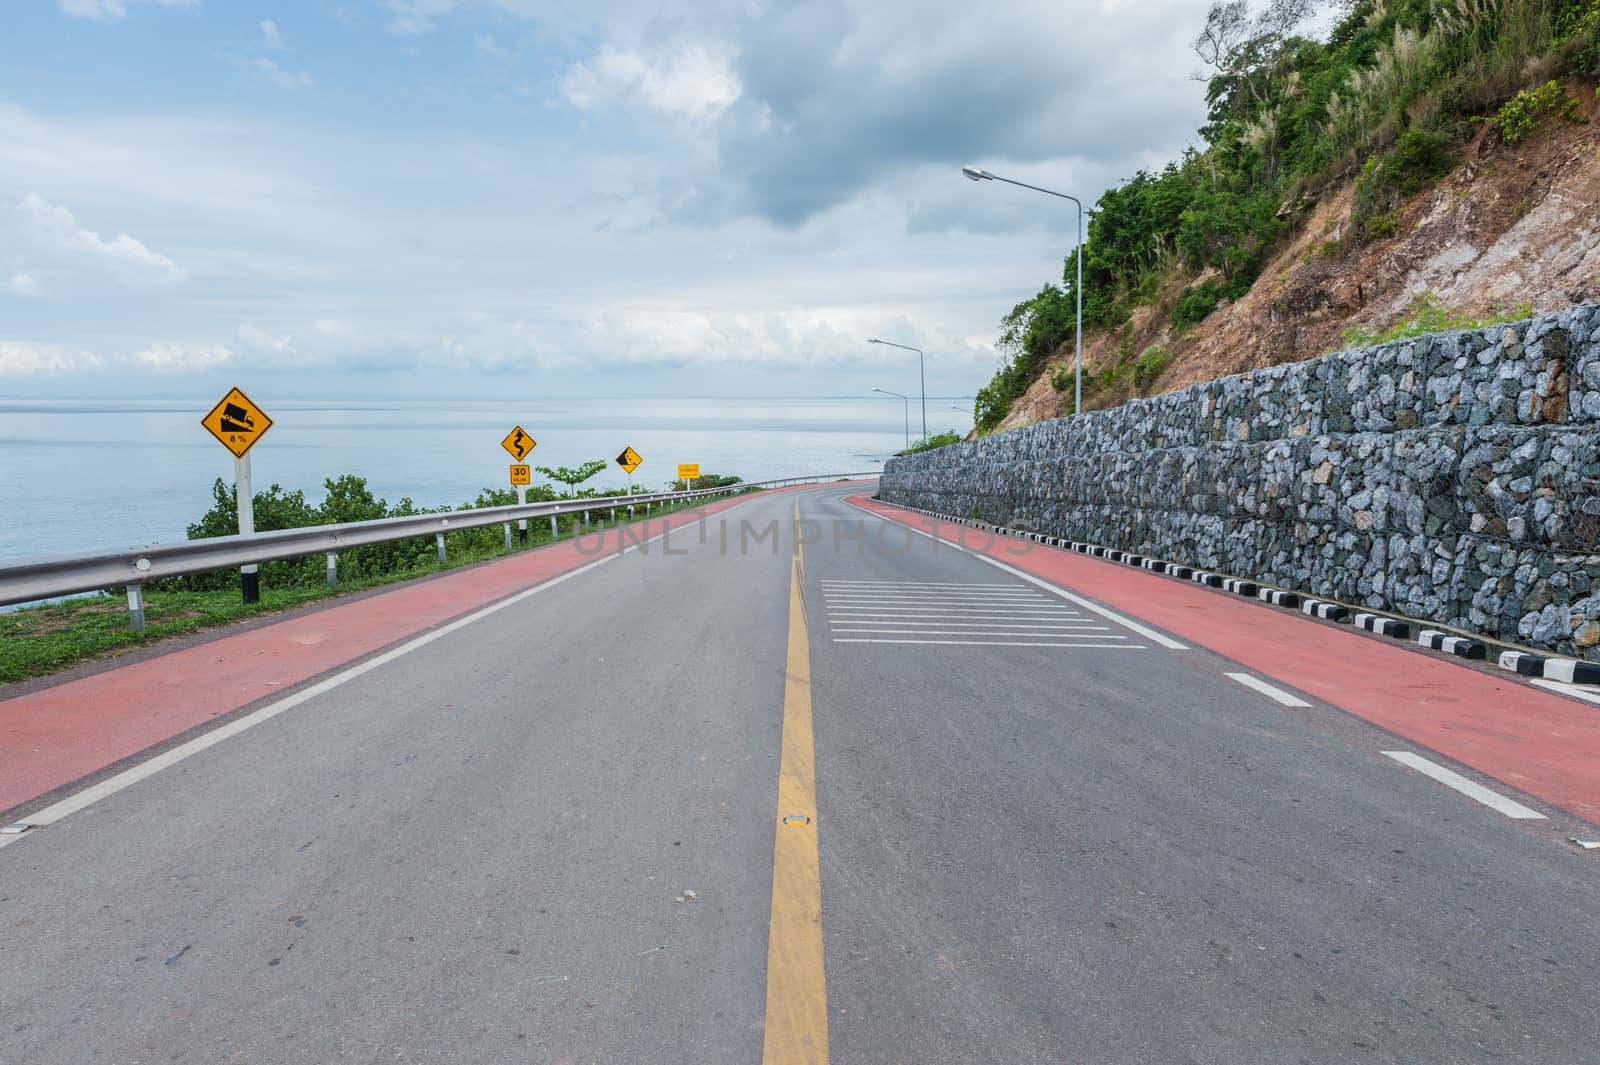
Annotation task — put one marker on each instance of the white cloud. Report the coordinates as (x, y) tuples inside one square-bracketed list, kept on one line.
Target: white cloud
[(56, 230), (22, 359), (181, 358), (271, 36), (417, 16), (256, 339), (284, 79), (106, 10), (685, 80), (22, 284)]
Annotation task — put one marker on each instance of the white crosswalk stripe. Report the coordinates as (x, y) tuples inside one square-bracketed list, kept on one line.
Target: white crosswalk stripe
[(968, 615)]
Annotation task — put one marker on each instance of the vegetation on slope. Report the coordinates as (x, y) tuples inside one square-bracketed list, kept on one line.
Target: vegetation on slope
[(1388, 99)]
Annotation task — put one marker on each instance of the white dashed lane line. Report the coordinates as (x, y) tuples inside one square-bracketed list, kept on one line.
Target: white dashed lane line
[(966, 615), (1274, 693), (1470, 788)]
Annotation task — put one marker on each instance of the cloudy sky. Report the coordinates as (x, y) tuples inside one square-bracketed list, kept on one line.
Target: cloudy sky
[(574, 197)]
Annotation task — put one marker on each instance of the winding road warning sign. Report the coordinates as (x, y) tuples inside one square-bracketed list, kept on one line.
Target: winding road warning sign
[(519, 443)]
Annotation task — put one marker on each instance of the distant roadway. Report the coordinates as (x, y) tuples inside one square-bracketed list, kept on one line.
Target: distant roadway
[(728, 797)]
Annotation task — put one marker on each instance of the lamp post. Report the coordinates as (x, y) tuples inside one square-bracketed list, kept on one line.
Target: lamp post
[(897, 395), (921, 373), (983, 175)]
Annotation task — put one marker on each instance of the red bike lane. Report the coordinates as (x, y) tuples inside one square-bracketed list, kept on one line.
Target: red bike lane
[(1543, 744), (57, 735)]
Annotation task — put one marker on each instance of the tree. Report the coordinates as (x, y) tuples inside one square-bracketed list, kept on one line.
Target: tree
[(573, 476)]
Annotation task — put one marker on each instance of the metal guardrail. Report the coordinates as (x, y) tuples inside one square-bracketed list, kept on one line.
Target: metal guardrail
[(37, 579)]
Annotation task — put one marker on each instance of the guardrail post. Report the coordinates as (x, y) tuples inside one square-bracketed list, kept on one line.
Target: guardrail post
[(508, 536), (438, 538), (586, 519), (135, 608), (333, 568), (555, 533)]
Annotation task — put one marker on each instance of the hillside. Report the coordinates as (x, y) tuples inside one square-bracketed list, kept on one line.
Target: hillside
[(1433, 216)]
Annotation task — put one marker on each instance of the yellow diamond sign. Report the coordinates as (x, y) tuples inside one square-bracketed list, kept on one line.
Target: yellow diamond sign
[(519, 443), (630, 459), (237, 422)]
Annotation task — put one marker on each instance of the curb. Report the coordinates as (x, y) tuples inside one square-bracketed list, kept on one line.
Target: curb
[(1319, 608), (1455, 645), (1566, 670), (1383, 626)]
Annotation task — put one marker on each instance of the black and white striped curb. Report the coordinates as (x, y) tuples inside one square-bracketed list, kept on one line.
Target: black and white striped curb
[(1327, 611), (1383, 626), (1566, 670), (1154, 565), (1455, 645), (1210, 580), (1277, 598), (1240, 587)]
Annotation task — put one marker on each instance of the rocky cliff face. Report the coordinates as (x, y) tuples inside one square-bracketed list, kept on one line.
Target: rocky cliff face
[(1513, 224), (1454, 478)]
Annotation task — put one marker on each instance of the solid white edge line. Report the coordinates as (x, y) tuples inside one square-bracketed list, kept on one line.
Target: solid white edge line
[(997, 643), (1470, 788), (150, 767), (973, 623), (1277, 694), (1100, 635), (1127, 623), (1563, 688)]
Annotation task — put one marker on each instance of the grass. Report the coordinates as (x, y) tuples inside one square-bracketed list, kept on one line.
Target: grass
[(40, 640)]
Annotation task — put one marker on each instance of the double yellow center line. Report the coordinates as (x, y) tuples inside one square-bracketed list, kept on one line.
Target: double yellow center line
[(797, 995)]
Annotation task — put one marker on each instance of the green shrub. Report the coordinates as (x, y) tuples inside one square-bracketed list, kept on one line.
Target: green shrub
[(1427, 313), (1522, 113), (1062, 377), (1149, 365), (930, 442), (1196, 303)]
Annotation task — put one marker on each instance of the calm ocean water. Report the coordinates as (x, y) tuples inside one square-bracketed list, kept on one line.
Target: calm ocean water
[(77, 475)]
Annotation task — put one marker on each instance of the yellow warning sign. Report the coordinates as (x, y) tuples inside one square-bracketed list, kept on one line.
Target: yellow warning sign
[(236, 422), (630, 459), (688, 471), (521, 475), (519, 443)]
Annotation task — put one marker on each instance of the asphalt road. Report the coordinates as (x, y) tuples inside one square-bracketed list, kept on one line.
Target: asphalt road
[(1044, 836)]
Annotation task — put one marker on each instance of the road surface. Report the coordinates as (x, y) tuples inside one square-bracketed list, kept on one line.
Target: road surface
[(593, 823)]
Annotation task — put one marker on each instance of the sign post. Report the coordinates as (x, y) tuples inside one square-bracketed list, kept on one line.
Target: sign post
[(238, 423), (519, 445), (630, 460)]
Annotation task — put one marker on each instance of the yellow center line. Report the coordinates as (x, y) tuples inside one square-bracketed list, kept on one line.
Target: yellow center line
[(797, 994)]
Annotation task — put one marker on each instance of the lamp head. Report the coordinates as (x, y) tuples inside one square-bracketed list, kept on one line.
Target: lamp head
[(975, 174), (874, 340)]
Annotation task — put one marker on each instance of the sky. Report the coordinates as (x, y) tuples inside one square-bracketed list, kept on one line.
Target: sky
[(476, 198)]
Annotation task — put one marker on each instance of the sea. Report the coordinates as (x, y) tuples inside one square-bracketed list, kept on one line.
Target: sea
[(80, 475)]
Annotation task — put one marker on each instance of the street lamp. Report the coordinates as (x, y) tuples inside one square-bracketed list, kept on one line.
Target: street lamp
[(983, 175), (921, 372), (886, 392)]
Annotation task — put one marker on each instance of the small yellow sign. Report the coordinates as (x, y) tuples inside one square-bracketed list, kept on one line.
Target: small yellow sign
[(521, 475), (630, 459), (236, 422), (519, 443), (688, 471)]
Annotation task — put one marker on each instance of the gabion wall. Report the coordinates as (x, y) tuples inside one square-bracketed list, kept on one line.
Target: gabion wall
[(1454, 478)]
